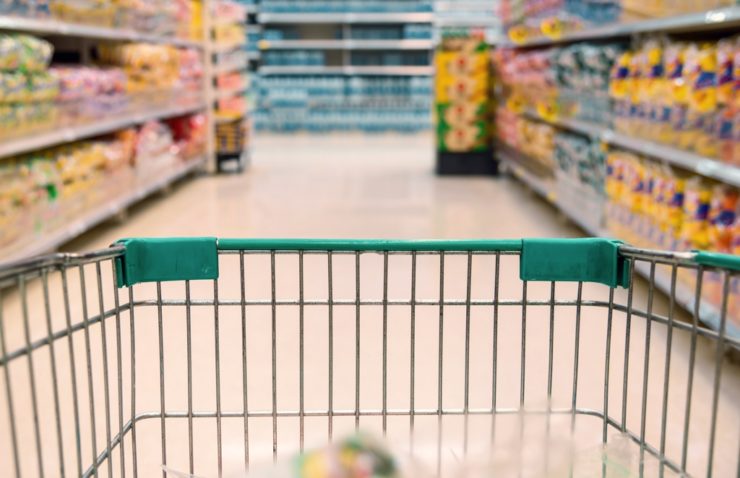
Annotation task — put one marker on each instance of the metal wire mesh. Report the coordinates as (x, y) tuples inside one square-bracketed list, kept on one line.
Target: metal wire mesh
[(447, 354)]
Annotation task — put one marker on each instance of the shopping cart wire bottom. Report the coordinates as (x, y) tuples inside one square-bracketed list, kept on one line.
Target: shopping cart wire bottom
[(211, 356)]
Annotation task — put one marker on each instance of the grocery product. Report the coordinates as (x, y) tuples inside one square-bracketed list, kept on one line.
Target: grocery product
[(683, 94), (330, 103), (326, 6), (148, 67), (654, 206), (680, 94), (462, 93), (164, 17), (41, 192), (530, 19), (24, 52)]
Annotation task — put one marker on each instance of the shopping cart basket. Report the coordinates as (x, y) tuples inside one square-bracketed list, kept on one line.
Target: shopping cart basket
[(210, 356)]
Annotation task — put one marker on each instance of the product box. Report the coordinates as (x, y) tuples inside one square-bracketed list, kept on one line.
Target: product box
[(463, 138), (461, 113)]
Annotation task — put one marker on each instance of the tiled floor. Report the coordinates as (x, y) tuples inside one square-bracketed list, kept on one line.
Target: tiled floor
[(361, 187)]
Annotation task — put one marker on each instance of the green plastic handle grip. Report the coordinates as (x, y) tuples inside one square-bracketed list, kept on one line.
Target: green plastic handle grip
[(178, 259)]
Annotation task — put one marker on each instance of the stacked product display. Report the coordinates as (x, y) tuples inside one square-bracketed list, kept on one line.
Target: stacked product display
[(527, 20), (463, 103), (634, 138), (230, 82), (320, 103), (89, 128), (360, 6), (43, 192), (131, 77), (254, 33), (310, 46), (180, 19)]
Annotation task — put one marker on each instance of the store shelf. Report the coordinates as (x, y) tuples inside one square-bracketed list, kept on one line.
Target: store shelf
[(229, 119), (227, 47), (685, 296), (52, 241), (222, 22), (720, 19), (58, 134), (702, 165), (471, 21), (253, 55), (224, 93), (348, 70), (329, 18), (55, 27), (237, 63), (545, 189), (346, 45)]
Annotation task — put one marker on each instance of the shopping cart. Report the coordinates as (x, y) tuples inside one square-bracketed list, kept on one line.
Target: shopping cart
[(210, 356)]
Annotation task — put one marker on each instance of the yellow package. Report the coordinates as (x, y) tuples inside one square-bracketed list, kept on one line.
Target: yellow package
[(695, 225), (703, 101), (461, 89), (677, 98), (658, 93)]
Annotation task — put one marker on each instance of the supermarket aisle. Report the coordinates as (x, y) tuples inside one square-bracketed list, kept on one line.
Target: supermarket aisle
[(376, 187), (340, 186)]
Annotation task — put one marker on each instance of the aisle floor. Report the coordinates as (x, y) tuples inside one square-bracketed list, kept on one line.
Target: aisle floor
[(340, 186), (370, 187)]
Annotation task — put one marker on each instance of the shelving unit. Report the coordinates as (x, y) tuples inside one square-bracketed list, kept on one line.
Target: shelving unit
[(455, 14), (702, 165), (719, 20), (348, 70), (65, 133), (236, 63), (130, 188), (339, 45), (346, 45), (87, 220), (685, 298), (237, 123), (345, 18), (225, 93), (56, 27)]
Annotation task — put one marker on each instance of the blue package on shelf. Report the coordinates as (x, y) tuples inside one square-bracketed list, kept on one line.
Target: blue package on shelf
[(339, 6), (322, 104)]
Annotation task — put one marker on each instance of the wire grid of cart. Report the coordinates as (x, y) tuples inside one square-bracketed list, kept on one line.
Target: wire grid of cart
[(210, 356)]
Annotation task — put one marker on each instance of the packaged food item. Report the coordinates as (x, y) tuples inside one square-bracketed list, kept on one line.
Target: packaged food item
[(703, 99), (679, 93), (24, 52), (727, 50), (462, 94), (464, 137), (148, 67)]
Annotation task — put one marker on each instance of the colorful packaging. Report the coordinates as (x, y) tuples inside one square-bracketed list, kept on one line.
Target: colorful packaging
[(462, 94)]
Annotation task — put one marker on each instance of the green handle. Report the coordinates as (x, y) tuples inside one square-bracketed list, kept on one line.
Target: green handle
[(167, 259), (715, 259), (177, 259), (367, 245)]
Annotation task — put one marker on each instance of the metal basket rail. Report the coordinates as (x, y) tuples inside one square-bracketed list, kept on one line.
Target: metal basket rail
[(208, 356)]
